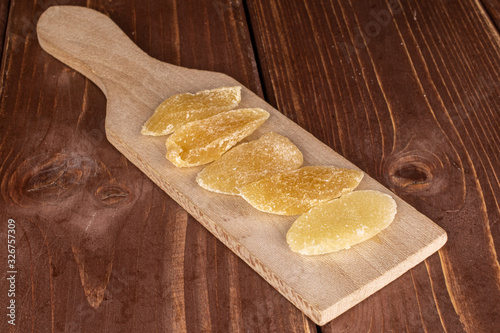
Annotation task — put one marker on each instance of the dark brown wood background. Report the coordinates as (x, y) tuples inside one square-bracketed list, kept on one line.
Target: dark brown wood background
[(409, 91)]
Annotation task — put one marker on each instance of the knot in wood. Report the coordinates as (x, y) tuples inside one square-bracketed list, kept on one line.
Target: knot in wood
[(45, 178), (412, 172), (112, 194)]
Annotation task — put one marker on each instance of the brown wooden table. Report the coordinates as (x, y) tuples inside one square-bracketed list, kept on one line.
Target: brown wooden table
[(408, 91)]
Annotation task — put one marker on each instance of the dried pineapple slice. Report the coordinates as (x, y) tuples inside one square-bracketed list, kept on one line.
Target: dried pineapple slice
[(181, 109), (203, 141), (250, 162), (341, 223), (295, 192)]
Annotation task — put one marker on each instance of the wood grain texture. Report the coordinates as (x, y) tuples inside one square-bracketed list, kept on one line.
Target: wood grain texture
[(85, 214), (445, 146), (492, 7), (408, 91), (134, 84)]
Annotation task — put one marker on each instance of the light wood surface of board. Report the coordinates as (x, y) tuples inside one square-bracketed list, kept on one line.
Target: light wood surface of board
[(321, 286)]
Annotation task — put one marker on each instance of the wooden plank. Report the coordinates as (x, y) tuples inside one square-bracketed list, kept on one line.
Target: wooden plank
[(82, 209), (412, 98), (134, 84)]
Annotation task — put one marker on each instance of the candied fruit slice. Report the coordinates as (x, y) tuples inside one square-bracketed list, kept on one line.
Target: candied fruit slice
[(181, 109), (295, 192), (250, 162), (341, 223), (203, 141)]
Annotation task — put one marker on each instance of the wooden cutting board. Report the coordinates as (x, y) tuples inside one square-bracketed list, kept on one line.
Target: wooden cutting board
[(134, 84)]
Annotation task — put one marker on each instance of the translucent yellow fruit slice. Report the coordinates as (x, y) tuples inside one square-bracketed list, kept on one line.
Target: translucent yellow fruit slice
[(295, 192), (250, 162), (203, 141), (341, 223), (183, 108)]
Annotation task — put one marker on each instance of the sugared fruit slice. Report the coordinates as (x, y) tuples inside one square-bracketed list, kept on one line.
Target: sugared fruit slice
[(181, 109), (341, 223), (249, 162), (203, 141), (295, 192)]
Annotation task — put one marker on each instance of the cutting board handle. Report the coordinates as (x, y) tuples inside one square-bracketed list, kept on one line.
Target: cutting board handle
[(91, 43)]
